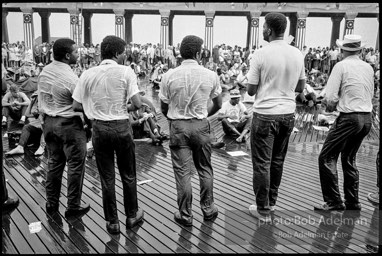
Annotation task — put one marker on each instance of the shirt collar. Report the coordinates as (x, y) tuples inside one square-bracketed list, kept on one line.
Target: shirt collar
[(108, 61), (190, 62), (61, 64)]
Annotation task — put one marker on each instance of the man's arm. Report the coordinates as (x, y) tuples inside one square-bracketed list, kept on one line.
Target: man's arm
[(164, 108), (4, 101), (252, 89), (216, 105), (300, 86), (26, 100), (77, 107)]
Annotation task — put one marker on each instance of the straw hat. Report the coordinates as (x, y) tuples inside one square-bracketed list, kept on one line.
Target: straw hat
[(350, 43), (235, 93)]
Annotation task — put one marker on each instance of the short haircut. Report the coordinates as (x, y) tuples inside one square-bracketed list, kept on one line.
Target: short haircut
[(111, 45), (190, 46), (13, 88), (61, 47), (277, 22)]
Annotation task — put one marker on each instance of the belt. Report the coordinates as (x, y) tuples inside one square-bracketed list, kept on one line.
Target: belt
[(190, 119), (111, 121)]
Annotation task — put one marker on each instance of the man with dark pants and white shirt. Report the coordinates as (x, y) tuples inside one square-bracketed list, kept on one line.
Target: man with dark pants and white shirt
[(103, 93), (350, 90), (276, 72), (63, 129), (184, 93)]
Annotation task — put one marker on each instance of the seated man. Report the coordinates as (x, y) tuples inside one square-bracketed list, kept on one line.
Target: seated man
[(31, 130), (234, 116), (241, 79), (144, 123), (15, 104)]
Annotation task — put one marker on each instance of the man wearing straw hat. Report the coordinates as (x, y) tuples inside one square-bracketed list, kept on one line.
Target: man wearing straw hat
[(350, 91)]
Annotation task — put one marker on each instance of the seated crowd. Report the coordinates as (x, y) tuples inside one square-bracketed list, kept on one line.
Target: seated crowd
[(19, 63)]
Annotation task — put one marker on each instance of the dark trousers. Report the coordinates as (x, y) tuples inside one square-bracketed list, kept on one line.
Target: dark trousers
[(14, 114), (109, 137), (344, 137), (240, 126), (269, 143), (190, 140), (29, 131), (66, 143)]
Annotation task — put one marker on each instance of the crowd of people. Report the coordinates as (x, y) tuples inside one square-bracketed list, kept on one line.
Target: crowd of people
[(81, 97)]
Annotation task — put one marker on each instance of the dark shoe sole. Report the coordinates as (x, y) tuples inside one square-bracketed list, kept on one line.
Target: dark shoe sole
[(187, 224), (211, 217)]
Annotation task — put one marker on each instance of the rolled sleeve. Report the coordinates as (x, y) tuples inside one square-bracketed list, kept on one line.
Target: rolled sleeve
[(163, 92), (77, 93), (254, 70), (131, 79), (333, 85), (217, 89)]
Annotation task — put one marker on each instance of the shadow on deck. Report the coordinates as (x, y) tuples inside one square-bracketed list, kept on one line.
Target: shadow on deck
[(296, 227)]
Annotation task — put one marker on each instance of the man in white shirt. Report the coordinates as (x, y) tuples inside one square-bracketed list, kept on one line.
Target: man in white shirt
[(63, 129), (234, 117), (276, 72), (184, 94), (103, 93), (350, 90)]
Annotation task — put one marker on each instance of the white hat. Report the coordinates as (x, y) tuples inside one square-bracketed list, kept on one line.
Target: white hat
[(350, 43)]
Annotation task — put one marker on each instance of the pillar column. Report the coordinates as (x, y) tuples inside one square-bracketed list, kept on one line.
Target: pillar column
[(119, 29), (377, 44), (336, 22), (301, 29), (209, 30), (293, 26), (4, 27), (164, 28), (75, 31), (253, 29), (128, 26), (349, 22), (87, 27), (45, 28), (28, 27), (170, 29)]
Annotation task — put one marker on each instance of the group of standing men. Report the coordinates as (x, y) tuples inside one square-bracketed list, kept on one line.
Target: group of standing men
[(106, 93)]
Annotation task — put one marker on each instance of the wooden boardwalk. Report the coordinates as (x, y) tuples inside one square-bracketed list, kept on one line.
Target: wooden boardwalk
[(234, 230)]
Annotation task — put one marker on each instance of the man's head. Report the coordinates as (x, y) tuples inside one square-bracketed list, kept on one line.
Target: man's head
[(14, 89), (235, 96), (191, 47), (275, 25), (65, 50), (113, 47)]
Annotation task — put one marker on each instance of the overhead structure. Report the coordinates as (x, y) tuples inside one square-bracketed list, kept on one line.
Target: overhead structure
[(124, 12)]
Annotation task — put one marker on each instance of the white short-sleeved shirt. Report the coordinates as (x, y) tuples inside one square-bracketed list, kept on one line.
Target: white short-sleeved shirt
[(237, 111), (105, 90), (276, 69), (55, 87), (351, 84), (187, 89)]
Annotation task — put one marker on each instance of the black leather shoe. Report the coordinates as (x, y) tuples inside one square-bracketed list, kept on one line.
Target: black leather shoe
[(356, 207), (10, 205), (217, 144), (131, 222), (112, 228), (79, 210), (178, 218), (213, 215), (51, 209)]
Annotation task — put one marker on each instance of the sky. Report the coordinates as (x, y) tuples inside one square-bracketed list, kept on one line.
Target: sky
[(229, 30)]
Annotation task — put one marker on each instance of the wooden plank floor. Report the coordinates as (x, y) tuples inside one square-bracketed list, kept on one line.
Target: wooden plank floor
[(234, 230)]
